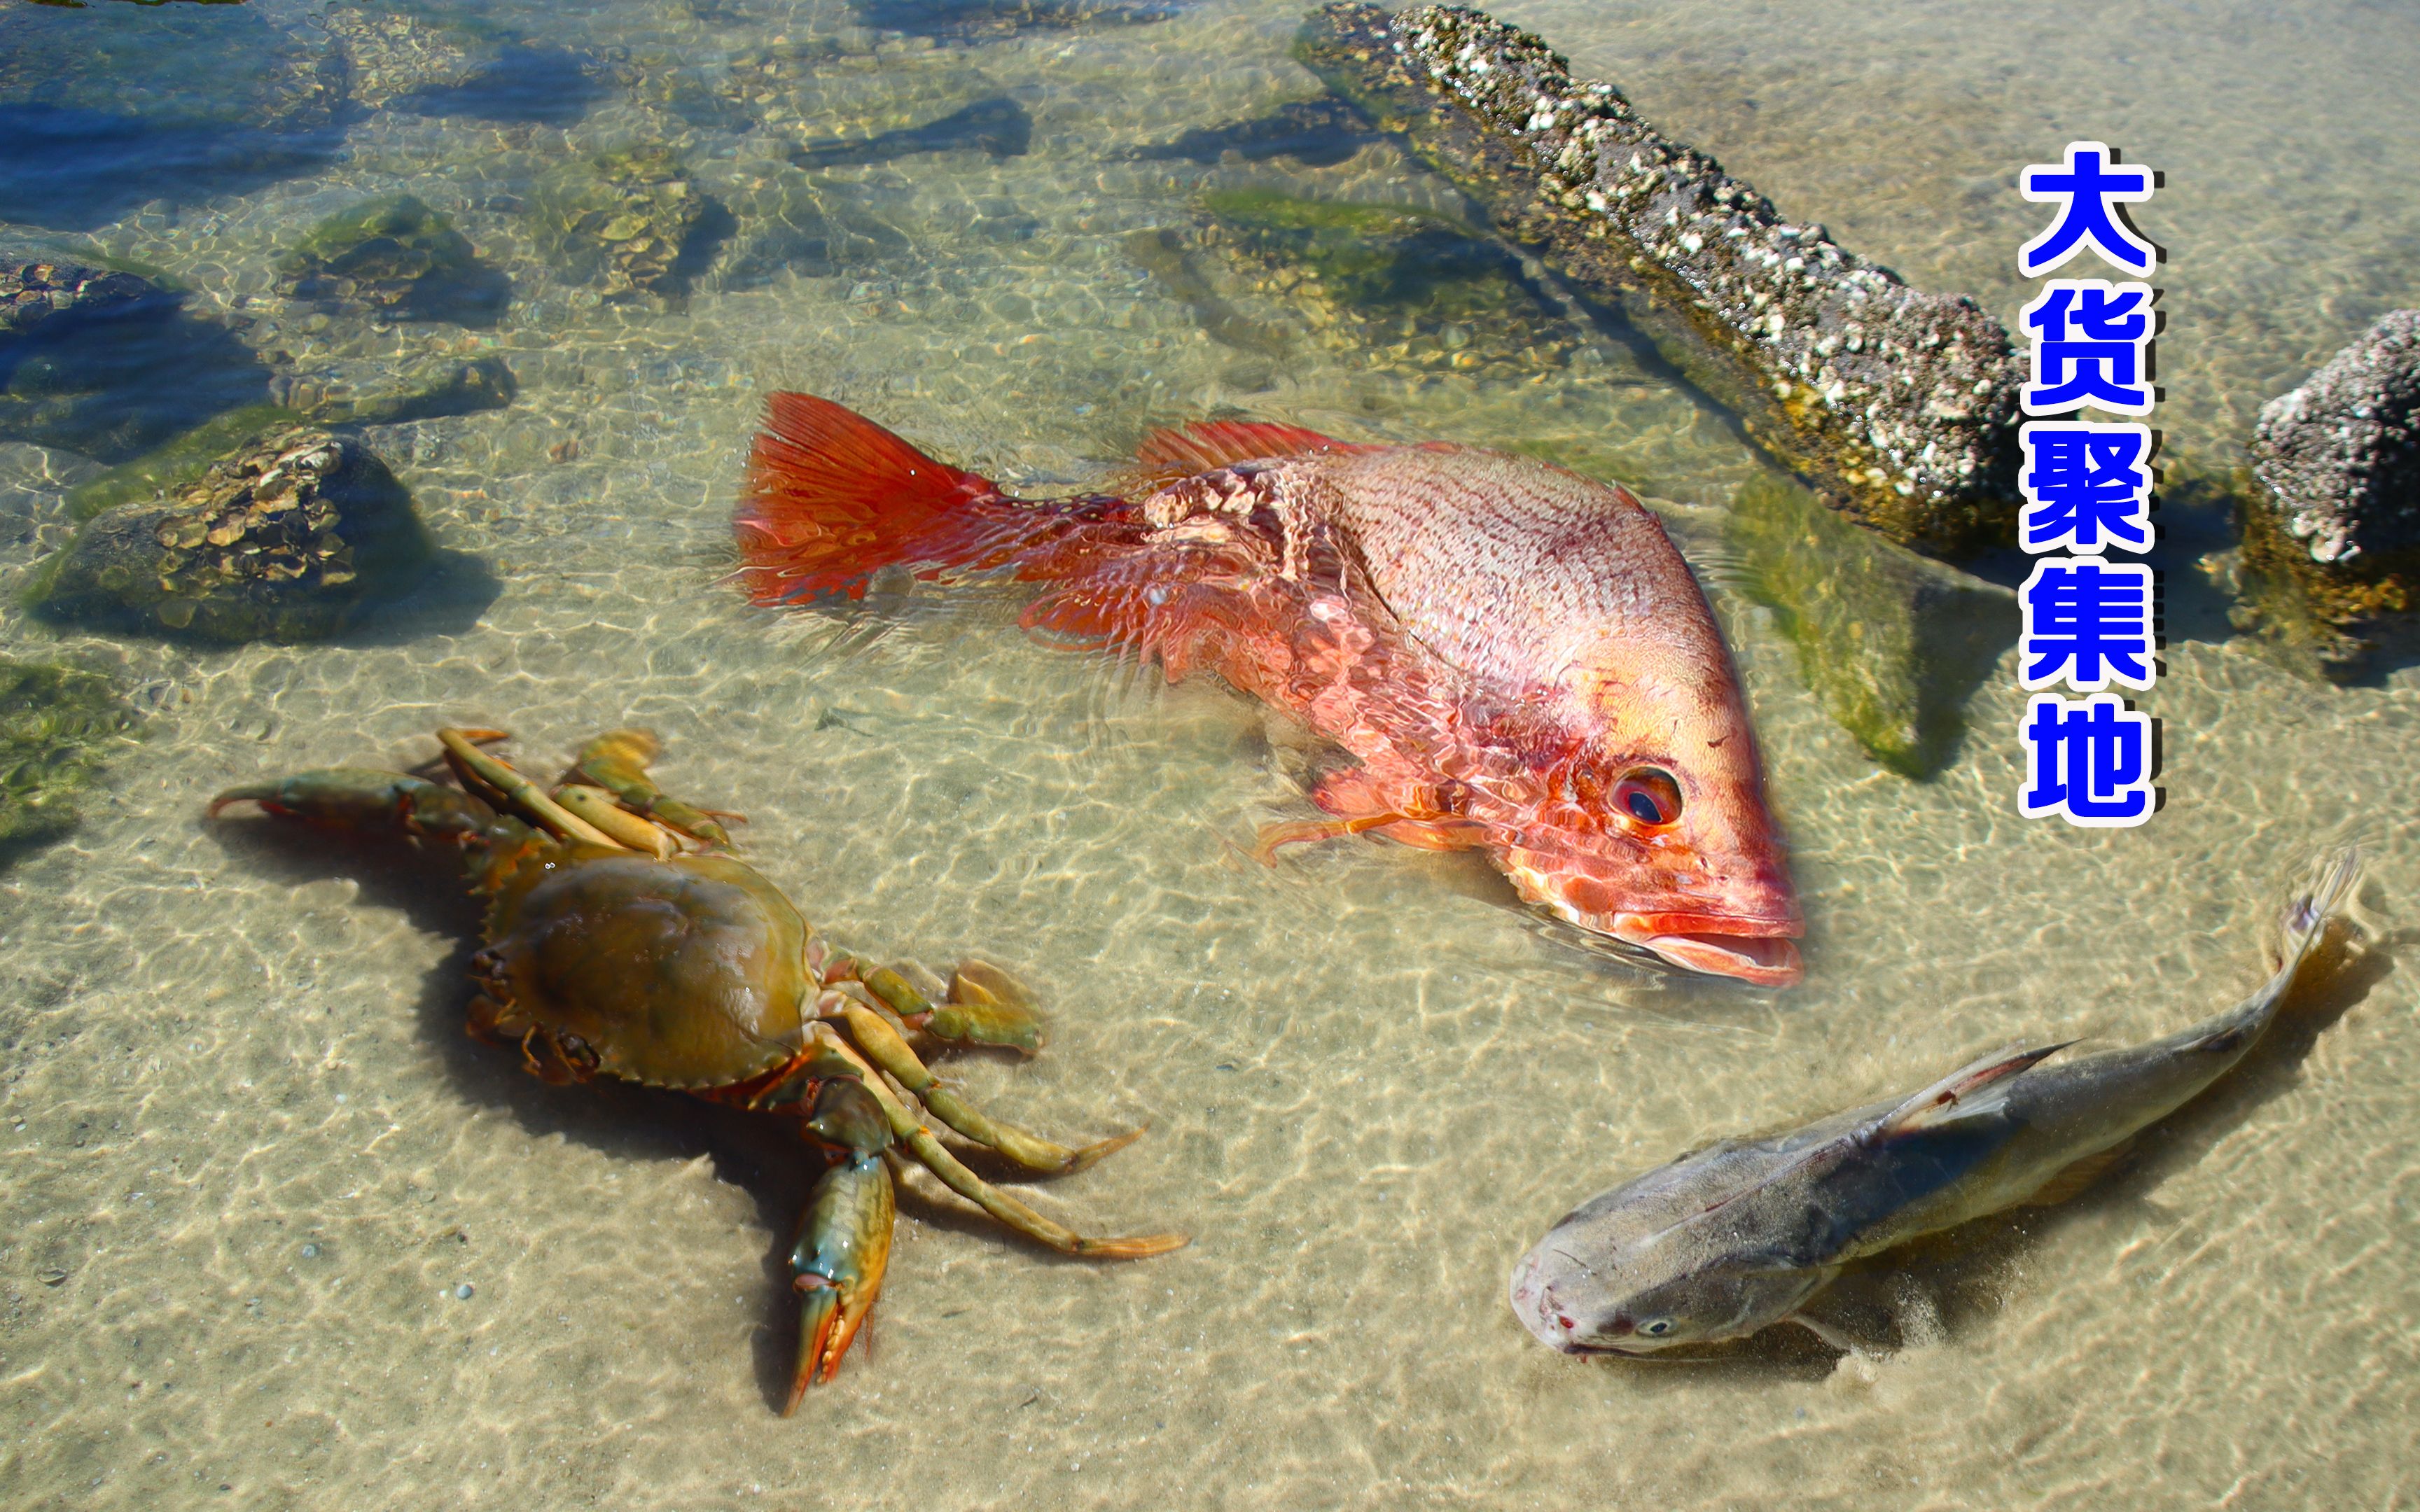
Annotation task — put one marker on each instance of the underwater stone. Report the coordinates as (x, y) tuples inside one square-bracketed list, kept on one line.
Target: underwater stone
[(624, 219), (2330, 514), (397, 49), (419, 388), (109, 365), (992, 19), (1891, 643), (59, 726), (285, 539), (1900, 406), (396, 256), (171, 467)]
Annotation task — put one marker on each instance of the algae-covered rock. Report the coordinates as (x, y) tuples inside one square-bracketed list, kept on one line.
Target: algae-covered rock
[(171, 467), (1892, 644), (418, 388), (286, 539), (2331, 514), (109, 364), (1899, 406), (630, 220), (59, 726), (105, 107), (396, 256), (1402, 287)]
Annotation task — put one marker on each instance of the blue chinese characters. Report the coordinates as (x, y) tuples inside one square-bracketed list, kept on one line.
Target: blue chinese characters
[(2089, 623)]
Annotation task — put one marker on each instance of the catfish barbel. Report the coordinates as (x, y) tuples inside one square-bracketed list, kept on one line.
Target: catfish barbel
[(1515, 654), (1739, 1236)]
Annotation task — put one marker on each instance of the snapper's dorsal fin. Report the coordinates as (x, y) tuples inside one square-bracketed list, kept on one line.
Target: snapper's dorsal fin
[(1955, 1096), (1207, 445)]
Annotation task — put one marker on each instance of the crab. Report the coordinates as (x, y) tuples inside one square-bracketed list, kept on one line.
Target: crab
[(624, 939)]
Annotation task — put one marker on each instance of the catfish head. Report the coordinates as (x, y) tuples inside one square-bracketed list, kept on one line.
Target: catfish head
[(1617, 1277)]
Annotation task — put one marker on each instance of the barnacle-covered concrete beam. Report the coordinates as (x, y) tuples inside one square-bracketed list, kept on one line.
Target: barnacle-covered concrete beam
[(1899, 407)]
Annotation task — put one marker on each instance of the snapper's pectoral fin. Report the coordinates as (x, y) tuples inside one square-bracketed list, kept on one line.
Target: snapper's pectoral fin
[(1305, 831), (1955, 1096), (2072, 1180)]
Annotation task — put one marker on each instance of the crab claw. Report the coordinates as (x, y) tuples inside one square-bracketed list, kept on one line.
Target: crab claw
[(837, 1263), (355, 798)]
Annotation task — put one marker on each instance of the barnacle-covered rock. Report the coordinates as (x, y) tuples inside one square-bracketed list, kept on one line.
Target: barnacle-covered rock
[(109, 364), (1891, 643), (624, 219), (395, 256), (59, 726), (171, 467), (1898, 406), (2330, 514), (103, 107), (287, 539)]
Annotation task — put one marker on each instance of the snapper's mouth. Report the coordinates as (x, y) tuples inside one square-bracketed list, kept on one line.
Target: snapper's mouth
[(1755, 951)]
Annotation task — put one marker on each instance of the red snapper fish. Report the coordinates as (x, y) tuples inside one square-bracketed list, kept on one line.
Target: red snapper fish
[(1515, 655)]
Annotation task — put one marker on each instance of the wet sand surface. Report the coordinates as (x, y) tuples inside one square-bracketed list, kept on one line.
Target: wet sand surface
[(275, 1234)]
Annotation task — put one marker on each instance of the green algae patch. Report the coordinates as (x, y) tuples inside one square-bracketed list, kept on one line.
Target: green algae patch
[(288, 538), (178, 464), (396, 256), (60, 727), (1892, 644)]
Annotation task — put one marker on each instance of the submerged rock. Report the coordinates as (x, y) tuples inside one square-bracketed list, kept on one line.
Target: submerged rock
[(986, 19), (792, 222), (1400, 288), (105, 107), (632, 219), (395, 256), (59, 726), (398, 48), (171, 467), (288, 538), (999, 126), (2330, 516), (1317, 133), (1899, 407), (418, 388), (108, 364), (1891, 643)]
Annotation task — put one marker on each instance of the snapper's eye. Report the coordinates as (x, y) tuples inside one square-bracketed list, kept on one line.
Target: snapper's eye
[(1647, 794), (1655, 1328)]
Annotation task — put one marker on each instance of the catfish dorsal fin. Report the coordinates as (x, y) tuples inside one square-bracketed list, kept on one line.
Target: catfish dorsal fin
[(1207, 445), (1953, 1096)]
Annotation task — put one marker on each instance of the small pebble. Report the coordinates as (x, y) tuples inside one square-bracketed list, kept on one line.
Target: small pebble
[(463, 1291), (310, 1252)]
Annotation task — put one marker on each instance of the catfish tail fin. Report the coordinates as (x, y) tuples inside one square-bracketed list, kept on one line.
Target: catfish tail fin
[(833, 497), (2314, 904)]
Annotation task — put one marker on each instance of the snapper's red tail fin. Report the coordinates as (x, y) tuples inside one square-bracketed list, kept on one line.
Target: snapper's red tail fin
[(833, 498)]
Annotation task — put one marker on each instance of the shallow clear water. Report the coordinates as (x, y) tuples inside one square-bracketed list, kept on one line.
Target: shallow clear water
[(1370, 1082)]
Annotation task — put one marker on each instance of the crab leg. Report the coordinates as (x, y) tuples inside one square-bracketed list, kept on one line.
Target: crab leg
[(885, 1048), (843, 1243), (636, 831), (985, 1006), (476, 765), (930, 1153), (617, 761)]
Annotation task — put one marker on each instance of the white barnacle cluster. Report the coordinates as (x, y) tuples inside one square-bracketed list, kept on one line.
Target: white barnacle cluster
[(1913, 387)]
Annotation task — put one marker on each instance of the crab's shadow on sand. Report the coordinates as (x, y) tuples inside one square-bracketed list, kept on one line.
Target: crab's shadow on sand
[(761, 1156), (1956, 1284)]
